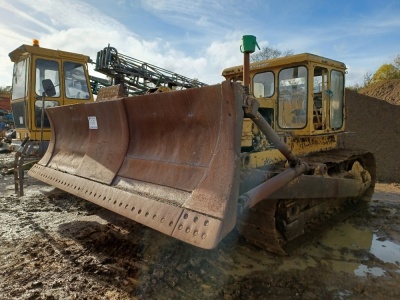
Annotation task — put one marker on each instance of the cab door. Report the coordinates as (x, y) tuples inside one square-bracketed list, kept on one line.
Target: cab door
[(44, 68), (328, 99), (20, 95), (76, 82), (320, 98), (336, 100)]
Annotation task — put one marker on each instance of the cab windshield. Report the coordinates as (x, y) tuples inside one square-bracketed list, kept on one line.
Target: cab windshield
[(75, 81), (292, 97), (47, 69)]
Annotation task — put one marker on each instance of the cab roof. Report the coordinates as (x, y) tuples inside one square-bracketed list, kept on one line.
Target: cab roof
[(25, 50), (285, 61)]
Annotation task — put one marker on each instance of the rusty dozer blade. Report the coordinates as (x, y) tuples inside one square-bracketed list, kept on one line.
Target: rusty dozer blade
[(169, 161)]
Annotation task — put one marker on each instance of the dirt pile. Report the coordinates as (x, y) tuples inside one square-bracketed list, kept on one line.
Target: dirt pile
[(373, 124), (388, 90)]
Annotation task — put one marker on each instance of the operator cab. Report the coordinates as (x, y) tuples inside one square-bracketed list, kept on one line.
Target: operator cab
[(33, 66), (301, 97)]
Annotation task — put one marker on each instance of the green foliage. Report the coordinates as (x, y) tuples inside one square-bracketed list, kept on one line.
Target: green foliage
[(269, 53), (5, 89), (386, 72), (367, 79), (397, 62), (355, 87)]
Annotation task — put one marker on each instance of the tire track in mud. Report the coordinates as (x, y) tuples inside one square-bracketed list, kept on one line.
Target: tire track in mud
[(68, 248), (56, 246)]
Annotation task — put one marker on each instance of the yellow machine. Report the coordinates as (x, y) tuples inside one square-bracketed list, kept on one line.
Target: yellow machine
[(37, 69), (45, 78), (257, 153), (302, 97), (32, 65)]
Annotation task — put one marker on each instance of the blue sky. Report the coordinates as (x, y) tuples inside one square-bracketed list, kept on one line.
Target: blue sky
[(199, 39)]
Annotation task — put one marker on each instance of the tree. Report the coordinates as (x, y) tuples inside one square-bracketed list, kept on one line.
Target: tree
[(397, 62), (269, 53), (367, 79), (5, 89), (356, 87), (386, 72)]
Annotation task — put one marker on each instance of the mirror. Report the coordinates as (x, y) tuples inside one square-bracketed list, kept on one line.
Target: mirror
[(48, 87)]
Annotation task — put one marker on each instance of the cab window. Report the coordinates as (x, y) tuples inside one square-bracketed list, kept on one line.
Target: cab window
[(75, 81), (292, 97), (263, 85), (20, 79), (336, 99), (47, 69)]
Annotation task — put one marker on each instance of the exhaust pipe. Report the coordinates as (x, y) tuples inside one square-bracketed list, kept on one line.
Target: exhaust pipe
[(249, 43), (250, 106)]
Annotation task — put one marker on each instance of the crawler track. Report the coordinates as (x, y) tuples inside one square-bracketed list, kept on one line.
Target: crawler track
[(287, 213)]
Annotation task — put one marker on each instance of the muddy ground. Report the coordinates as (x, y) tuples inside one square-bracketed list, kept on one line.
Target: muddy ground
[(56, 246)]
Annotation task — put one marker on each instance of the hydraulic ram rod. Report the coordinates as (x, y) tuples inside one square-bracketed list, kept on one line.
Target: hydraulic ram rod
[(297, 167)]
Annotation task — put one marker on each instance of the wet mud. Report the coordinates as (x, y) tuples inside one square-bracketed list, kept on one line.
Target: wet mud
[(57, 246)]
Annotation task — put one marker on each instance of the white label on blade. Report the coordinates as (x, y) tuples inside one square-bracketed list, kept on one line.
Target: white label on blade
[(92, 123), (21, 120)]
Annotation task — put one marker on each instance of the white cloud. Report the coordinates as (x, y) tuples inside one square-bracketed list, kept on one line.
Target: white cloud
[(205, 16), (203, 37), (73, 31), (25, 16), (224, 54), (72, 14), (203, 22)]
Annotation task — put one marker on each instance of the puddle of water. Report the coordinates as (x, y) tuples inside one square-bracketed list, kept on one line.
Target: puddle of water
[(339, 266), (339, 249), (348, 236), (386, 251), (344, 294), (338, 243), (342, 249), (297, 263), (363, 270)]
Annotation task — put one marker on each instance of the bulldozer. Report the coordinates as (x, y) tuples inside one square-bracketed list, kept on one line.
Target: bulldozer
[(30, 97), (35, 67), (257, 153)]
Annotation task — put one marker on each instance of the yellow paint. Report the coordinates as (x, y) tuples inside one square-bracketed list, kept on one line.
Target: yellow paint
[(315, 130), (32, 53), (247, 135)]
